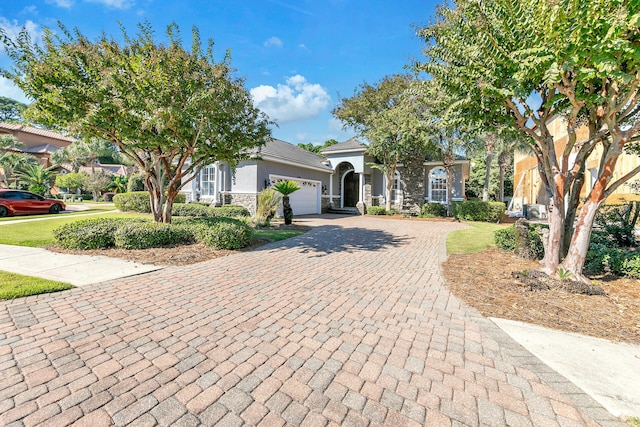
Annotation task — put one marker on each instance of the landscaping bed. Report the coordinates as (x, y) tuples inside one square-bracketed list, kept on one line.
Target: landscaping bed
[(178, 254), (484, 281)]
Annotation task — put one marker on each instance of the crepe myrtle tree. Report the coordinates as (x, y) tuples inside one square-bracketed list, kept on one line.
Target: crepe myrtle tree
[(387, 115), (524, 63), (168, 109)]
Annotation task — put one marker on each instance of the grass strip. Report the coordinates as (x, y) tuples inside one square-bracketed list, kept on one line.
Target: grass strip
[(40, 233), (14, 285), (276, 235)]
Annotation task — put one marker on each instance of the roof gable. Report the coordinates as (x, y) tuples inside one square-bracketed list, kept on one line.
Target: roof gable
[(346, 146), (281, 150)]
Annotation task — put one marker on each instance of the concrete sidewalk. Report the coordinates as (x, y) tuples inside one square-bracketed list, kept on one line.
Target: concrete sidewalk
[(78, 270), (608, 372)]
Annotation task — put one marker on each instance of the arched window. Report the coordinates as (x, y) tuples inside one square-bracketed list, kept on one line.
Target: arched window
[(438, 185)]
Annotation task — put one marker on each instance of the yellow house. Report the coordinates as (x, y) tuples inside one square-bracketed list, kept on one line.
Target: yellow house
[(529, 188)]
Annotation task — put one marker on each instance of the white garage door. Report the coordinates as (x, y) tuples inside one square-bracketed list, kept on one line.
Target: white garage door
[(307, 199)]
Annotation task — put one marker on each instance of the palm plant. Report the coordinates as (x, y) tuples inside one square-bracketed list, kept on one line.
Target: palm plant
[(286, 188), (36, 177), (268, 201), (118, 185), (11, 159)]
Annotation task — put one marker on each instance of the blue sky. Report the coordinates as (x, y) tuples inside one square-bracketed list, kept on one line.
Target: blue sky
[(298, 58)]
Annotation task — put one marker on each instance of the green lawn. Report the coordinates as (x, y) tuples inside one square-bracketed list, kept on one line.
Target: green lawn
[(16, 285), (94, 209), (473, 240), (276, 235), (40, 233)]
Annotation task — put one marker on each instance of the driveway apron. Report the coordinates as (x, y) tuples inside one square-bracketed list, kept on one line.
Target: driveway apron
[(349, 324)]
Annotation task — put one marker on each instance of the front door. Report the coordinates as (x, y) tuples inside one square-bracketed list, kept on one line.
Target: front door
[(351, 193)]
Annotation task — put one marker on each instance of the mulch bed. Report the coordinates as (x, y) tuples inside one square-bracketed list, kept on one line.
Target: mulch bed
[(486, 281)]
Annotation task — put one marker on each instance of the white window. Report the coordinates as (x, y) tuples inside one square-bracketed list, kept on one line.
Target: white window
[(208, 181), (438, 185), (396, 193)]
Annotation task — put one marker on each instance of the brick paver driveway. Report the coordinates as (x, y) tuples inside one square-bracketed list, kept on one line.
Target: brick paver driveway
[(349, 324)]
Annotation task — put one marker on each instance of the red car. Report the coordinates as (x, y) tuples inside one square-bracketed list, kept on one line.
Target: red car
[(18, 202)]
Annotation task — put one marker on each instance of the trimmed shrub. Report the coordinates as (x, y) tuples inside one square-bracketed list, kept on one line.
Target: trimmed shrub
[(476, 210), (433, 209), (376, 210), (221, 233), (505, 239), (496, 211), (135, 183), (138, 201), (151, 235), (231, 211), (191, 210), (202, 211), (94, 233)]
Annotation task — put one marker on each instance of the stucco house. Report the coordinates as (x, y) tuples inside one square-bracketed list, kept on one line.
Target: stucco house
[(530, 191), (340, 178), (38, 142), (355, 181)]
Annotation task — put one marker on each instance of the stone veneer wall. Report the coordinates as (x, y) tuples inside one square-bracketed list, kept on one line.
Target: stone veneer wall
[(413, 190), (249, 201), (325, 202)]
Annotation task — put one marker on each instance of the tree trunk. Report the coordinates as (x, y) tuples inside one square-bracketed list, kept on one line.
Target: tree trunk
[(487, 176), (573, 200), (574, 261), (390, 180), (286, 210)]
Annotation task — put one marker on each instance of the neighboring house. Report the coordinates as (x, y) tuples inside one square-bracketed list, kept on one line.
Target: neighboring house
[(38, 142), (116, 170), (529, 189), (342, 177)]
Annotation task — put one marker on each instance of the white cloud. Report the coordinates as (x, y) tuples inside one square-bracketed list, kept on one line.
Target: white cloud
[(61, 3), (296, 100), (10, 90), (115, 4), (273, 42), (302, 136), (12, 28)]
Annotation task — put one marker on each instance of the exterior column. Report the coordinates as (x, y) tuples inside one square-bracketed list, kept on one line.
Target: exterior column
[(360, 187), (217, 184), (331, 191)]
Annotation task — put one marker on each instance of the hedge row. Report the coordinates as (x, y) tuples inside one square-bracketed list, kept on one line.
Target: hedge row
[(138, 201), (475, 210), (197, 210), (135, 233)]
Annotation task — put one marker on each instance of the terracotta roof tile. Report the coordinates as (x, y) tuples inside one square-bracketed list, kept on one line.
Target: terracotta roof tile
[(17, 127)]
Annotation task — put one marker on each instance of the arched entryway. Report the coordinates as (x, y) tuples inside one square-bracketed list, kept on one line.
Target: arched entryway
[(350, 193)]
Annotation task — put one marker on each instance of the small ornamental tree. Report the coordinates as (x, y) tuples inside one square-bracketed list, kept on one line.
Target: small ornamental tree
[(286, 188), (524, 63), (170, 110), (386, 114)]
